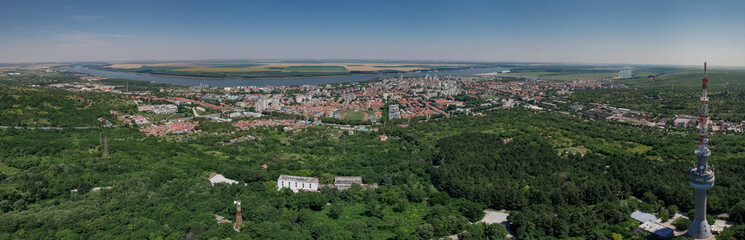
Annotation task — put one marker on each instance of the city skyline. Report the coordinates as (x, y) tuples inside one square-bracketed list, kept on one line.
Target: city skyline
[(567, 32)]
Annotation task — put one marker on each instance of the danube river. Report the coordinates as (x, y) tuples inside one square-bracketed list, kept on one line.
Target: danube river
[(626, 72), (270, 81)]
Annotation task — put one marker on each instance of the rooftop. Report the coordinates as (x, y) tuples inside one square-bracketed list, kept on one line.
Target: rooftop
[(348, 180), (298, 179), (644, 217), (657, 229), (219, 178)]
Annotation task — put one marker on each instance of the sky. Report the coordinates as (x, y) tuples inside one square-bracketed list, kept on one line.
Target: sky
[(627, 32)]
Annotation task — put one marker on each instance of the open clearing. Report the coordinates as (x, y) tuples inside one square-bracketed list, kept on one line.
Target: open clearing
[(491, 217)]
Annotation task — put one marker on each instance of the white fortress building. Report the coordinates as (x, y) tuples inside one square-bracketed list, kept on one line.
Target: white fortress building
[(341, 183), (296, 183)]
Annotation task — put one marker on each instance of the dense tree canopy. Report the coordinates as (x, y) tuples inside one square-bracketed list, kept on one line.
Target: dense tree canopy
[(558, 176)]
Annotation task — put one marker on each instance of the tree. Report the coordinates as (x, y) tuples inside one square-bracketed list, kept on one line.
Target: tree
[(736, 232), (439, 198), (321, 230), (425, 231), (357, 228), (386, 180), (335, 211), (682, 224), (471, 210), (664, 215), (673, 209), (495, 231), (326, 178), (312, 200), (66, 234), (466, 235), (737, 212)]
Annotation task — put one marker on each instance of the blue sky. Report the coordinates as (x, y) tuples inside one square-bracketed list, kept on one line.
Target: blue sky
[(633, 32)]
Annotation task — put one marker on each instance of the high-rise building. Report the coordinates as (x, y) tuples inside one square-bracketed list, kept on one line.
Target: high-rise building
[(701, 177)]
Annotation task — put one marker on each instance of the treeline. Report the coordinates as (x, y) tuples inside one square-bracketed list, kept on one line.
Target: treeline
[(345, 121)]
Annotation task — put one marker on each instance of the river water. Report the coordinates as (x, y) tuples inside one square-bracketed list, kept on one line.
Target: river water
[(625, 72), (259, 82)]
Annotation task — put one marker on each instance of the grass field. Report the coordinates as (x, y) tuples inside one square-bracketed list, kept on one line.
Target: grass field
[(640, 148), (574, 150), (361, 115)]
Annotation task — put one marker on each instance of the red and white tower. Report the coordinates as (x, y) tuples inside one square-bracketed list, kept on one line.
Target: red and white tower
[(238, 217), (701, 176)]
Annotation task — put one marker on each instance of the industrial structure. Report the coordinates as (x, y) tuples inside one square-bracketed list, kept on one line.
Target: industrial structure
[(701, 177), (238, 217)]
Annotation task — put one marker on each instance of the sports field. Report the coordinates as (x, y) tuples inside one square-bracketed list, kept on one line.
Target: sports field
[(356, 115)]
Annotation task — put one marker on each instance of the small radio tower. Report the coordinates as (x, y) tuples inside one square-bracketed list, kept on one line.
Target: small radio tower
[(238, 217), (105, 147), (701, 177)]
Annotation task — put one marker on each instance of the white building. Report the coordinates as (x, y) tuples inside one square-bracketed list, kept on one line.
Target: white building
[(296, 183), (344, 183)]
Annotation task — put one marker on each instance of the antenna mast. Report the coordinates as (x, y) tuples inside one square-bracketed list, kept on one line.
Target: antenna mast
[(701, 176)]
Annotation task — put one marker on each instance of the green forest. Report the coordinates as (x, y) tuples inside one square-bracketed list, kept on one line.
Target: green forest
[(436, 177), (724, 104)]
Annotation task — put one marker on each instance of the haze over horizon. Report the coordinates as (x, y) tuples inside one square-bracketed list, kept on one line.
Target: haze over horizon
[(629, 32)]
